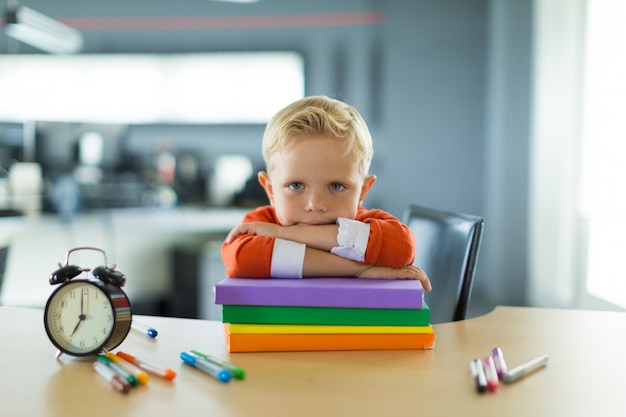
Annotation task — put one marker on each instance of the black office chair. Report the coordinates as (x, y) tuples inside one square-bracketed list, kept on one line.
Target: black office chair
[(4, 255), (447, 250)]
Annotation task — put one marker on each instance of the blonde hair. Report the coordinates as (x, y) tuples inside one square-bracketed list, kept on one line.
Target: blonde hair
[(319, 116)]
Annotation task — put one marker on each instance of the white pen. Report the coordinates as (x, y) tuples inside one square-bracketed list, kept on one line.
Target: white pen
[(524, 369), (144, 329)]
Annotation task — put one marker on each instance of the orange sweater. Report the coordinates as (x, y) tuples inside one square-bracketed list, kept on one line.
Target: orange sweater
[(390, 243)]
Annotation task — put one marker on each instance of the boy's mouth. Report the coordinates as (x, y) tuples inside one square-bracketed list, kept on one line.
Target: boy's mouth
[(315, 223)]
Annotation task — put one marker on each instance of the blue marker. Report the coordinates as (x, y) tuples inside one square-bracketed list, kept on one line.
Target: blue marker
[(234, 369), (142, 328), (206, 366)]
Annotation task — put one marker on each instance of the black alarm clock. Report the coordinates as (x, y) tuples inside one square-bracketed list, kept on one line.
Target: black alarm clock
[(87, 316)]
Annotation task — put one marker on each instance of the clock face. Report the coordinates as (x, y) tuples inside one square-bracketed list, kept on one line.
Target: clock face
[(79, 318)]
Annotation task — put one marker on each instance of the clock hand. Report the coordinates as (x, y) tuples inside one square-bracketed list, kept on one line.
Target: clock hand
[(80, 321), (86, 312), (82, 316)]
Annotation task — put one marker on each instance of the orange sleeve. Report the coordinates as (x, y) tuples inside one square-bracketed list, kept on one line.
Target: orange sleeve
[(250, 256), (391, 243)]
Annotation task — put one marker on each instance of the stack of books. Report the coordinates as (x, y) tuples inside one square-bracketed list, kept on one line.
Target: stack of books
[(264, 315)]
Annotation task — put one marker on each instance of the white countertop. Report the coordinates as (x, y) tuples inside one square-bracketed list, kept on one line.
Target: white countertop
[(138, 241)]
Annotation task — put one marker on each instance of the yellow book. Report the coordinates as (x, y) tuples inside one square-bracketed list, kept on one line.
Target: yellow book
[(239, 328)]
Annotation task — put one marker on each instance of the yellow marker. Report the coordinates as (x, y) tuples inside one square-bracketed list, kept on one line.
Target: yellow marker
[(141, 376)]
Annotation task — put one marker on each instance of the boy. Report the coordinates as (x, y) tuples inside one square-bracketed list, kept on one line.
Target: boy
[(317, 153)]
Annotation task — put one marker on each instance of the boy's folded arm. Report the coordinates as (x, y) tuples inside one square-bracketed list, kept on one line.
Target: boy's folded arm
[(319, 263), (255, 256), (391, 243), (347, 238), (322, 237), (248, 256), (323, 264), (252, 256)]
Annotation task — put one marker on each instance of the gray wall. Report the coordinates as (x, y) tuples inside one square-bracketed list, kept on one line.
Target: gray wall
[(443, 84)]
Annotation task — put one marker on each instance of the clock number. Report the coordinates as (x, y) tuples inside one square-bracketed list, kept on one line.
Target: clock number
[(82, 343), (72, 295), (64, 304)]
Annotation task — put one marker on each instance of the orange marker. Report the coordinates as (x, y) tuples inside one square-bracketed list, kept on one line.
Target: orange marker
[(148, 366)]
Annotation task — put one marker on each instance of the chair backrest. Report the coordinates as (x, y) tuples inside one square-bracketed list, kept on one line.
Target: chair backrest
[(4, 254), (447, 250)]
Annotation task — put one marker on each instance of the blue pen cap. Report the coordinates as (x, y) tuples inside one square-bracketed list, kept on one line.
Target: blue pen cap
[(224, 375)]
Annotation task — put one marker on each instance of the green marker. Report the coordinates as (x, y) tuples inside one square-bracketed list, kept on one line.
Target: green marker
[(234, 369)]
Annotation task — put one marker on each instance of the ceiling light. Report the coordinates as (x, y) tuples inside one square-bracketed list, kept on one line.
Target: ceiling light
[(42, 32)]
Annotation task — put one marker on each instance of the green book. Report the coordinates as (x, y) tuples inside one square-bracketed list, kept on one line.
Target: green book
[(325, 315)]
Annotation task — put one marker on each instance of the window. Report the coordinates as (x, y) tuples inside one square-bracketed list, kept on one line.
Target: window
[(603, 198), (577, 202), (177, 88)]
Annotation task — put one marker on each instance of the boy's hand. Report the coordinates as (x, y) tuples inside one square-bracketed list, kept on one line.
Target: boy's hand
[(323, 237), (254, 228), (386, 272)]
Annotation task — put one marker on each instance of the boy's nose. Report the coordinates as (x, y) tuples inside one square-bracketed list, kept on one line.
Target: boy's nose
[(315, 203)]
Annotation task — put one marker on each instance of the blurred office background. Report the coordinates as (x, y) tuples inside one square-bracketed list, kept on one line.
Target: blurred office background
[(475, 106)]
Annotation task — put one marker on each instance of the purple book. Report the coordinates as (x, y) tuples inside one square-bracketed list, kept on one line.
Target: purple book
[(321, 292)]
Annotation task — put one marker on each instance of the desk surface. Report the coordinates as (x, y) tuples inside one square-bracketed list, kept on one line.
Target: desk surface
[(584, 376)]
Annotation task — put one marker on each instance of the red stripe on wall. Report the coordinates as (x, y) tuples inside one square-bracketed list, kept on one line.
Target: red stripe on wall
[(225, 22)]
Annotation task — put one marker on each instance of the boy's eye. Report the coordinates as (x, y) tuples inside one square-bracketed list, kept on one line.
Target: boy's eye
[(295, 186), (335, 186)]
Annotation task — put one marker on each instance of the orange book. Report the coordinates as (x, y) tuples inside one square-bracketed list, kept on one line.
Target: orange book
[(237, 342)]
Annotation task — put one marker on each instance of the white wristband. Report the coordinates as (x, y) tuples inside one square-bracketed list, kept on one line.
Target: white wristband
[(352, 239), (287, 259)]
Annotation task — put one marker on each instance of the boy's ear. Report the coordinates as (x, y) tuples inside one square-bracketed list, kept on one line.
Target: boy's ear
[(264, 180), (368, 182)]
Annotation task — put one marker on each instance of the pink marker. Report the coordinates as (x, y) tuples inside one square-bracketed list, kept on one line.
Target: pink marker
[(491, 374)]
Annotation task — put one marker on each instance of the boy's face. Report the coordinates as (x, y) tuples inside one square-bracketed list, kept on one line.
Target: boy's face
[(314, 182)]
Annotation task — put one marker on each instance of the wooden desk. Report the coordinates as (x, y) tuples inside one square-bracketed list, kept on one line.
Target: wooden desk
[(585, 375)]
